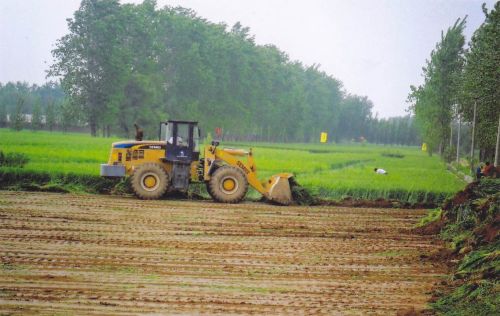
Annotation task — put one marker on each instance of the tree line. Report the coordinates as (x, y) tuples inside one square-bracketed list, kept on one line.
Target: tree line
[(462, 87), (46, 106), (122, 64), (36, 106)]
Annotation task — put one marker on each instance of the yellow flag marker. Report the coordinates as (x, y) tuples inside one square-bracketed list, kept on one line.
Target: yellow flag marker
[(323, 137), (424, 147)]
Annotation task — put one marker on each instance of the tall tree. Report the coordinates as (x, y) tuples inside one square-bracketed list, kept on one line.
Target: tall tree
[(17, 116), (88, 59), (481, 82), (433, 102), (125, 64), (3, 115), (51, 115), (36, 117)]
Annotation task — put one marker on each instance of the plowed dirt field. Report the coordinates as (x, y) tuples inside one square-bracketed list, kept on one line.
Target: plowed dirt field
[(87, 254)]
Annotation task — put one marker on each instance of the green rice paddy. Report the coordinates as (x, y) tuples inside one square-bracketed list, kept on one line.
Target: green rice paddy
[(329, 170)]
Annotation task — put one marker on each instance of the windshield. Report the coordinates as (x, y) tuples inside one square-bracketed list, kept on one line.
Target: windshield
[(164, 131), (183, 135), (196, 139), (167, 132)]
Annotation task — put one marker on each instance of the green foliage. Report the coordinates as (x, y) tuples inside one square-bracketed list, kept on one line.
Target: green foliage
[(50, 116), (450, 153), (69, 115), (487, 186), (3, 114), (432, 216), (455, 80), (17, 117), (485, 260), (471, 228), (393, 154), (13, 178), (125, 64), (13, 159), (479, 299), (481, 79), (394, 130), (433, 102), (36, 118), (31, 94)]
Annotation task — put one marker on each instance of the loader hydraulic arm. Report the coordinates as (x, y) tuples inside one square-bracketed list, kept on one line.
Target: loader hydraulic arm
[(229, 157), (276, 189)]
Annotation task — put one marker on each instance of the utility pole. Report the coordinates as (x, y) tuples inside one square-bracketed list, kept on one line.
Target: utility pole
[(451, 133), (473, 132), (497, 153), (455, 109), (458, 138)]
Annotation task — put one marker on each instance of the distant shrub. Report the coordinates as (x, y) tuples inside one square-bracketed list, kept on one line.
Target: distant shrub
[(392, 154), (13, 159), (450, 153), (319, 151), (345, 164)]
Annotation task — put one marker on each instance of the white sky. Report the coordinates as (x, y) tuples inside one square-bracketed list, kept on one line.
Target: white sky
[(375, 47)]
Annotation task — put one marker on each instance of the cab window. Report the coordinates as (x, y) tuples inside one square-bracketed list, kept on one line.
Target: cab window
[(183, 135), (196, 139)]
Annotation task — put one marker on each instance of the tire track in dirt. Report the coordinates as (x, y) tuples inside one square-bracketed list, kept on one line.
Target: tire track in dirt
[(88, 254)]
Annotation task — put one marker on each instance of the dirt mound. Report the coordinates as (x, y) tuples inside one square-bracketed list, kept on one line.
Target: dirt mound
[(301, 195), (433, 228), (473, 191), (470, 224), (488, 232)]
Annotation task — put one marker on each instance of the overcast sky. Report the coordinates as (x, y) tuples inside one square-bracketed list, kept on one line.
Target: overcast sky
[(375, 47)]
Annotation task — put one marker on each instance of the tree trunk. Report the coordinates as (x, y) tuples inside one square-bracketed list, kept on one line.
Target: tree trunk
[(458, 139), (93, 129), (497, 149), (451, 134)]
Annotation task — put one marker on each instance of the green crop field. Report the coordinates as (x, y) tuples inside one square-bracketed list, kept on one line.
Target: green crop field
[(328, 170)]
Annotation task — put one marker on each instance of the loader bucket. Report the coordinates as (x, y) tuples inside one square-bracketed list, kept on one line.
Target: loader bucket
[(278, 189)]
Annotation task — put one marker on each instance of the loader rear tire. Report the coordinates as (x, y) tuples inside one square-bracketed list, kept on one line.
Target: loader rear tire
[(210, 191), (228, 185), (149, 181)]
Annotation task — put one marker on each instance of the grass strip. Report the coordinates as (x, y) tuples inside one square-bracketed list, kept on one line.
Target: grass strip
[(28, 180), (20, 179)]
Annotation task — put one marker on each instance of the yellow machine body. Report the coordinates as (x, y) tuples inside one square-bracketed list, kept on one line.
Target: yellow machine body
[(131, 154), (174, 163), (276, 189)]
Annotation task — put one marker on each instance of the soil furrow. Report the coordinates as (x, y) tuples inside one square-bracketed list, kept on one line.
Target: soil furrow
[(87, 254)]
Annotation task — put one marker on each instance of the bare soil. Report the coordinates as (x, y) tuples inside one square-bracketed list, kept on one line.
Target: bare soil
[(93, 254)]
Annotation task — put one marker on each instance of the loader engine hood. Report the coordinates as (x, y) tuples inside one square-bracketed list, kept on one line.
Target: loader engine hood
[(143, 144)]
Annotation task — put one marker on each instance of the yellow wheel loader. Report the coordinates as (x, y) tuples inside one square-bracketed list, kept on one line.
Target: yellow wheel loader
[(173, 162)]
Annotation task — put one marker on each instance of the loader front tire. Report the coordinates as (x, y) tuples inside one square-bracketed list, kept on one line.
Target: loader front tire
[(149, 181), (228, 185)]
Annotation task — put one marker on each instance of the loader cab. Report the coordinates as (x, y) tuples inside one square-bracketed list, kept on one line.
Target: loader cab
[(183, 140)]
